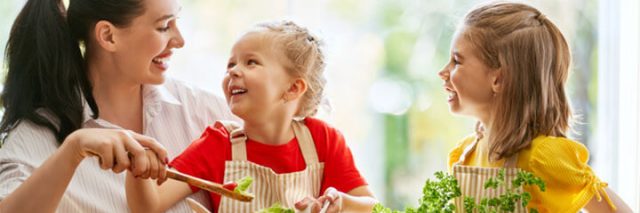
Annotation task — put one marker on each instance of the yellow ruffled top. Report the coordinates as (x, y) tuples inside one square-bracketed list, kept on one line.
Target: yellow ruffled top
[(560, 162)]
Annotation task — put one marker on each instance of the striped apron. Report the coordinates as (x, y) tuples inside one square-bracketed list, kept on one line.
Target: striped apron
[(269, 187), (472, 178)]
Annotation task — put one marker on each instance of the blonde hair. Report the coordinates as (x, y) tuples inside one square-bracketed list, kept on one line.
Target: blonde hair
[(303, 58), (534, 59)]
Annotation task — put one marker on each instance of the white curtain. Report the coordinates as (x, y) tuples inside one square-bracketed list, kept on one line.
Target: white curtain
[(616, 151)]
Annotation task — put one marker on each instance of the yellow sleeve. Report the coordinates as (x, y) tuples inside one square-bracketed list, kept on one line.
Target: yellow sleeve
[(570, 182), (456, 152)]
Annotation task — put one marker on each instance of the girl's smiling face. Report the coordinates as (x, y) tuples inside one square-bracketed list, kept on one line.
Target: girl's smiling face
[(468, 80), (256, 80)]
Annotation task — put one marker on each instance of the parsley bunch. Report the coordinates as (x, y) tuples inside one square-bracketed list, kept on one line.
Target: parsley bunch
[(506, 202), (438, 195)]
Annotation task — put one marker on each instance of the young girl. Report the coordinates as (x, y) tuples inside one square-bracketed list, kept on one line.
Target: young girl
[(274, 83), (508, 68)]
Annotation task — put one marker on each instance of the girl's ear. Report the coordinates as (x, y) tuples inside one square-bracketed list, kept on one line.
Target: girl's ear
[(104, 35), (496, 80), (296, 89)]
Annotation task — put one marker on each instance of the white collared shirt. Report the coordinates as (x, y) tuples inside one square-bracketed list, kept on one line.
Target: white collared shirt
[(174, 114)]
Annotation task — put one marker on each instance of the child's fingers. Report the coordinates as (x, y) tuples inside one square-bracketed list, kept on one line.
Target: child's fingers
[(308, 203), (334, 208), (334, 198)]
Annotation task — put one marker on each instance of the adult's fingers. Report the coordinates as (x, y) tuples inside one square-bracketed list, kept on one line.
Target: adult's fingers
[(162, 176), (139, 161), (105, 153), (122, 161), (154, 164), (152, 144)]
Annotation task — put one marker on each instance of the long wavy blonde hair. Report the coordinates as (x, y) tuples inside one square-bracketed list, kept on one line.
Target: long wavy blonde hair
[(534, 59)]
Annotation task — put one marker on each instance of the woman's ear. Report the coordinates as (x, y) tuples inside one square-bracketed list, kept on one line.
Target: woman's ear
[(296, 89), (104, 35), (496, 80)]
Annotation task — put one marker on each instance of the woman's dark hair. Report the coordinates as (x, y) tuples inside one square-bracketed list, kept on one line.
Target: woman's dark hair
[(46, 69)]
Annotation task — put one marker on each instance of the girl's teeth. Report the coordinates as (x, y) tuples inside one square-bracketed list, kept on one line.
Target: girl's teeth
[(160, 60), (237, 91)]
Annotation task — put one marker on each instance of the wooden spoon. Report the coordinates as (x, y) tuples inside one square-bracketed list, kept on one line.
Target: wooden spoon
[(209, 186)]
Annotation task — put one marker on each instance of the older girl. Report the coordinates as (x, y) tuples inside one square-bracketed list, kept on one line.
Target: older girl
[(508, 69)]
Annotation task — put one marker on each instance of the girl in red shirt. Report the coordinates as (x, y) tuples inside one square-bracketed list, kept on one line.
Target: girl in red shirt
[(274, 83)]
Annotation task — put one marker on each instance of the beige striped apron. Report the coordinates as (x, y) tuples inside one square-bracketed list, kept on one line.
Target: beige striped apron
[(472, 178), (268, 187)]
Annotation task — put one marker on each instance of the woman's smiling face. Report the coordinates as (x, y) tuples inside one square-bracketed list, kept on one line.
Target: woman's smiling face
[(146, 44)]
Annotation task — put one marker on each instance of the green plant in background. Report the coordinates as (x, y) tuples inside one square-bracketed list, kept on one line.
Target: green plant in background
[(438, 195)]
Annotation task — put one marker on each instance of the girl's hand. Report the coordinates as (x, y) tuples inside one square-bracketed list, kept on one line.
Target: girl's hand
[(331, 196), (114, 147)]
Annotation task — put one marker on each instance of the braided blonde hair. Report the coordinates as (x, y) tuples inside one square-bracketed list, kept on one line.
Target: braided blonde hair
[(304, 58)]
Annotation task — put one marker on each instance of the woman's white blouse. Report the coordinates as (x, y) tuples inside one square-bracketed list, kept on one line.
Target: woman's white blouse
[(174, 114)]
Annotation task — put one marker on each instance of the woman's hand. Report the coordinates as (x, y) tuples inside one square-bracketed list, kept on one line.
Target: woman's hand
[(43, 189), (115, 147), (157, 168), (332, 198)]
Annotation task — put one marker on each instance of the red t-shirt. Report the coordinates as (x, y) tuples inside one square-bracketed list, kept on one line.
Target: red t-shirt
[(205, 157)]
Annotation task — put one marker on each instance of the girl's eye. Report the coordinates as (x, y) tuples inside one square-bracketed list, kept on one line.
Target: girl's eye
[(252, 62), (455, 61), (164, 29), (231, 65)]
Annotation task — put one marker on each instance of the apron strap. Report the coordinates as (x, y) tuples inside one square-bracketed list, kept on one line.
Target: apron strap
[(237, 137), (305, 141), (239, 148), (511, 162), (467, 151)]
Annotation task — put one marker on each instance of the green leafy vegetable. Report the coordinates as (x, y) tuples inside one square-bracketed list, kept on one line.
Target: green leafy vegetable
[(438, 195), (277, 208), (508, 201), (243, 184)]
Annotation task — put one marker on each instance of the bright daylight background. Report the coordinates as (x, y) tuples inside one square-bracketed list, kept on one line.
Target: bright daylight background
[(383, 59)]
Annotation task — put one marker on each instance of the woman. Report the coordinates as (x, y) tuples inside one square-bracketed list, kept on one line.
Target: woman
[(64, 104)]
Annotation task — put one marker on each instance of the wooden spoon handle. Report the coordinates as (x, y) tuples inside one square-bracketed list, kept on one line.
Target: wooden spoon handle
[(208, 185)]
